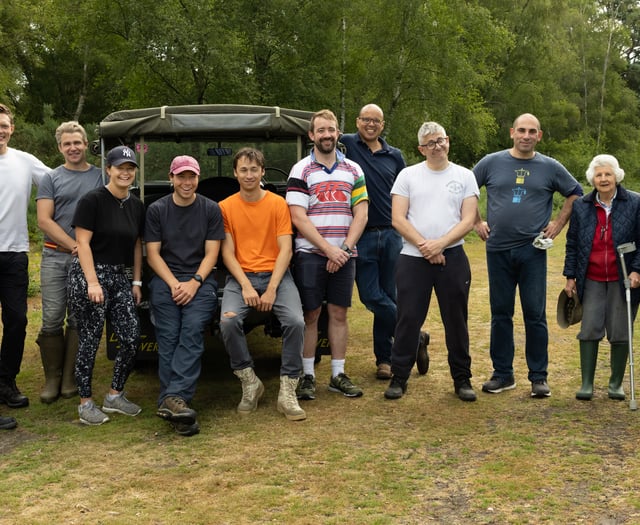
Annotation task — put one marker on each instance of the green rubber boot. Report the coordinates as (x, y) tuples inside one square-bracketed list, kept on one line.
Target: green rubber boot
[(619, 356), (588, 359)]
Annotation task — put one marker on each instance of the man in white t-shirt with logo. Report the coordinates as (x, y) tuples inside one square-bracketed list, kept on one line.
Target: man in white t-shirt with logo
[(434, 205)]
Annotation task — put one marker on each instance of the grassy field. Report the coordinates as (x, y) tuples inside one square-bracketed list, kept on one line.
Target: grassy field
[(427, 458)]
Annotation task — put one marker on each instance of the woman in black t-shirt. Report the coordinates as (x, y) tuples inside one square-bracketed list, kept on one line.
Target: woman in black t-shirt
[(109, 223)]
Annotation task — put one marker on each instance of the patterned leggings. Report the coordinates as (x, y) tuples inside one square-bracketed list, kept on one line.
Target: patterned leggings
[(120, 308)]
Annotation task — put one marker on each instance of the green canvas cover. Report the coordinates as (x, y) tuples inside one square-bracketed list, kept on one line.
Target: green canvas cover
[(205, 121)]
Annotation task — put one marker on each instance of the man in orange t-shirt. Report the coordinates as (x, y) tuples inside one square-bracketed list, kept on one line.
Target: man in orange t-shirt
[(257, 250)]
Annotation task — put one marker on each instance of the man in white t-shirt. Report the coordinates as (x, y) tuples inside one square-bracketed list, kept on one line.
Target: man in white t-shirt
[(434, 205), (19, 171)]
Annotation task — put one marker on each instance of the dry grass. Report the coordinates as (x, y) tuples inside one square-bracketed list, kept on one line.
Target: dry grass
[(427, 458)]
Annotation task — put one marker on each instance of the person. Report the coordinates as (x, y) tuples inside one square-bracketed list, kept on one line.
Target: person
[(109, 222), (520, 183), (257, 251), (58, 195), (183, 232), (600, 222), (380, 244), (434, 205), (20, 171), (328, 201)]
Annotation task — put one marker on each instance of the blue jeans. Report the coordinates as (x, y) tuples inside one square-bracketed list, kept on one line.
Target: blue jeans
[(378, 252), (180, 335), (288, 310), (54, 272), (14, 284), (526, 268)]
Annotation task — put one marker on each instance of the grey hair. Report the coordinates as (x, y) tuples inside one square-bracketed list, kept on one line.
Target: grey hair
[(603, 160), (429, 128)]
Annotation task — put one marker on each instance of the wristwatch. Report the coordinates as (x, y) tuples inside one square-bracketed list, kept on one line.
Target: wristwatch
[(198, 278), (345, 248)]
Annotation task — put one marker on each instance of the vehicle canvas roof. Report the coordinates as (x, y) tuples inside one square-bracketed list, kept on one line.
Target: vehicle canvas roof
[(205, 121)]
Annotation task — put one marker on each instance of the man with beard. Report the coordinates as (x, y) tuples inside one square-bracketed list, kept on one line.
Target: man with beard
[(328, 202)]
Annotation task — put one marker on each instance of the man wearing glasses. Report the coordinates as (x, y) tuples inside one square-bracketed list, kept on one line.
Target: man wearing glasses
[(434, 205), (380, 244), (19, 171)]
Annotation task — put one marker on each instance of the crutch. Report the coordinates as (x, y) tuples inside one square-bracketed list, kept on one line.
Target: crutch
[(629, 247)]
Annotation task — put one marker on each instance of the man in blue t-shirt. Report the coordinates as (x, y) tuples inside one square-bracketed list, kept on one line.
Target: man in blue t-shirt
[(520, 184), (379, 245)]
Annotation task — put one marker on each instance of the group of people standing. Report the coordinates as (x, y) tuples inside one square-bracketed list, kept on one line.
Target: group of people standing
[(359, 215)]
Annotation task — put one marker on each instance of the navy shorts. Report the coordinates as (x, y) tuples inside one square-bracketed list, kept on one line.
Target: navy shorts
[(316, 284)]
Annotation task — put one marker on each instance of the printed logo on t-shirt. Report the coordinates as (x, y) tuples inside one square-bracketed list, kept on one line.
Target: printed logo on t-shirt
[(331, 191), (518, 193), (454, 187), (520, 175)]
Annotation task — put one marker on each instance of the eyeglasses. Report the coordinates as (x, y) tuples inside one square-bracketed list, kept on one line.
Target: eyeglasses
[(440, 141), (367, 120)]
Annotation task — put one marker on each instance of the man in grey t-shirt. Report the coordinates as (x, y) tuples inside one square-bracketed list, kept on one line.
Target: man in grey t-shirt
[(58, 194), (520, 184)]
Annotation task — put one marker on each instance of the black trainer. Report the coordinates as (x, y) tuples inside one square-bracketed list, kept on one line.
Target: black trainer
[(495, 385), (465, 391), (396, 389), (422, 358), (10, 395), (7, 423)]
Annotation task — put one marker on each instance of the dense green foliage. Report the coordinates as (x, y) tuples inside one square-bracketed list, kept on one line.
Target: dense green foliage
[(471, 65)]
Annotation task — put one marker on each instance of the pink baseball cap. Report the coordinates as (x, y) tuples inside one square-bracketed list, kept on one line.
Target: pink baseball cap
[(184, 163)]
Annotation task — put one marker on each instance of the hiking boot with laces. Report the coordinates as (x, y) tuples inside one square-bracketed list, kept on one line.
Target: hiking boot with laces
[(120, 405), (306, 388), (252, 390), (288, 401), (90, 414), (176, 410), (186, 430), (343, 385), (396, 389)]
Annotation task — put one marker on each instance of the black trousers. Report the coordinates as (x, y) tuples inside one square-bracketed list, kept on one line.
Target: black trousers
[(14, 284), (416, 278)]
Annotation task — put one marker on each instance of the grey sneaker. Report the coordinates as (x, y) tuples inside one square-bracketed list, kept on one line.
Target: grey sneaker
[(540, 388), (495, 385), (306, 388), (90, 414), (176, 410), (121, 405), (343, 385)]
